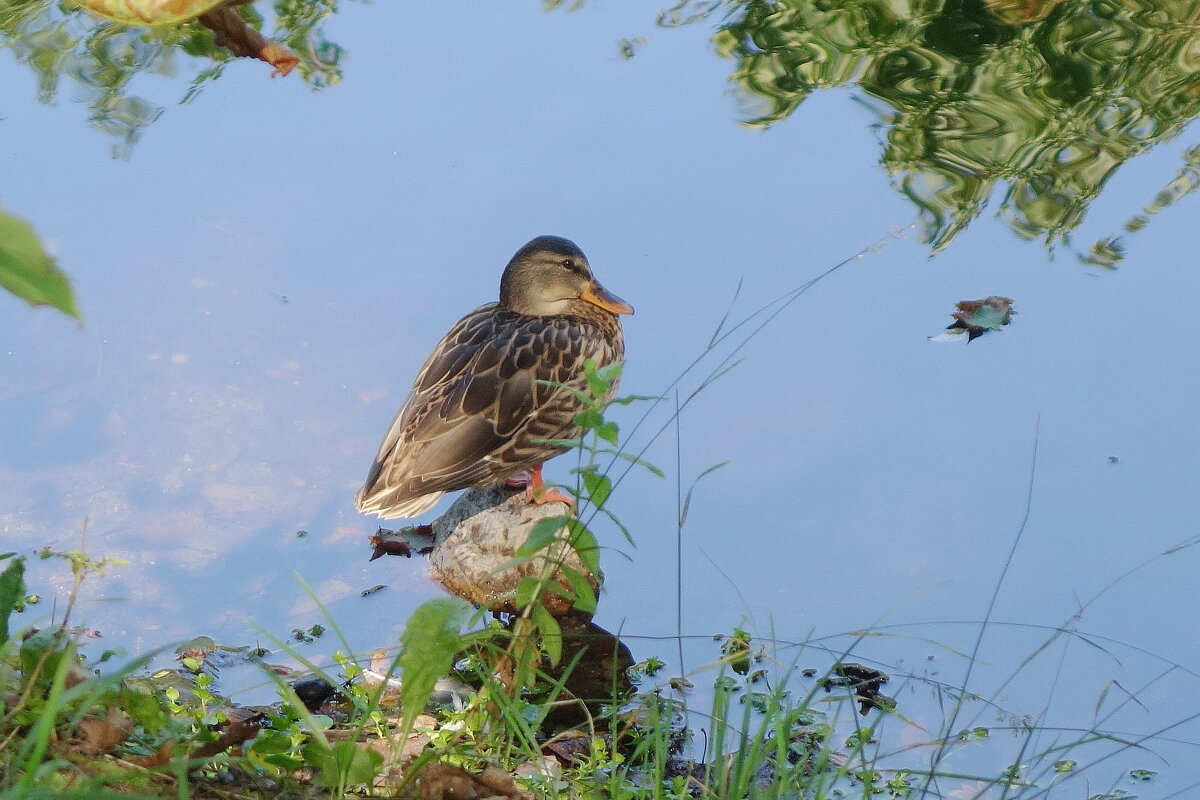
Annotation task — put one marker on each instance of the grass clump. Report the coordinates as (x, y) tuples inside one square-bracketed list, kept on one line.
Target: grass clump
[(753, 723)]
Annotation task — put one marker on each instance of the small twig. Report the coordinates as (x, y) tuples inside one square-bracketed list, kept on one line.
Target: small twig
[(231, 32)]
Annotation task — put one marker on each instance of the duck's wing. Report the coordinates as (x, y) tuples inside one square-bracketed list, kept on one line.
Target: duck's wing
[(477, 391), (483, 404)]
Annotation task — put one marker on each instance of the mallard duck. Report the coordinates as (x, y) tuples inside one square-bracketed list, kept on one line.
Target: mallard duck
[(477, 411)]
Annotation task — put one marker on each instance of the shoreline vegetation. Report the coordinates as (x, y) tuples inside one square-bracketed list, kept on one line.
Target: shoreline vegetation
[(441, 716), (525, 697)]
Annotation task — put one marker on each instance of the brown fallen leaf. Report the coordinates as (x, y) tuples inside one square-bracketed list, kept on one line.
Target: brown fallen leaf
[(231, 32), (157, 759), (569, 750), (389, 548), (399, 752), (242, 726), (441, 781), (100, 735), (500, 782), (234, 734)]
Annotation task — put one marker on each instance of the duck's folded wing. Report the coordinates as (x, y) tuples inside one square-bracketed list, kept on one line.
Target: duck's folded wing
[(473, 394)]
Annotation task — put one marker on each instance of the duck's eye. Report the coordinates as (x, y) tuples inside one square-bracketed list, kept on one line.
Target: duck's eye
[(570, 265)]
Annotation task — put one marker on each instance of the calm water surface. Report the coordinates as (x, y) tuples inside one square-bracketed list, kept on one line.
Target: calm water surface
[(262, 278)]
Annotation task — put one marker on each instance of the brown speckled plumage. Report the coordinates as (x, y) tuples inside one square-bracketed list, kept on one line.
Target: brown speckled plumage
[(476, 407)]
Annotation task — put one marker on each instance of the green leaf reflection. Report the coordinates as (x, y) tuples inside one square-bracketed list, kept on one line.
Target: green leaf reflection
[(1042, 99), (58, 40)]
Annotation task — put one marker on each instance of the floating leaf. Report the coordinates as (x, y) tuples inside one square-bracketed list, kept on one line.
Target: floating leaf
[(28, 271), (977, 317)]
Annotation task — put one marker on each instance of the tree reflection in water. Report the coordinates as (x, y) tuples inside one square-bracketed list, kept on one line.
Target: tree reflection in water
[(1049, 97), (103, 57)]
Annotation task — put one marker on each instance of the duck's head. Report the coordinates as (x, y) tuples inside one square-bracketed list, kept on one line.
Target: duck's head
[(550, 274)]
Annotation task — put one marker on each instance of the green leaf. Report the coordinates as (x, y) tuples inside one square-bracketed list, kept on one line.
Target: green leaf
[(549, 632), (28, 271), (585, 596), (542, 535), (611, 373), (583, 397), (527, 587), (589, 419), (281, 760), (632, 459), (599, 487), (45, 650), (430, 641), (585, 545), (345, 764), (12, 588), (636, 398), (608, 431), (145, 709), (596, 383), (272, 742)]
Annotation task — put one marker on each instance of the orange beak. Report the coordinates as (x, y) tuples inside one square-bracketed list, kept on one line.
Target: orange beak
[(598, 295)]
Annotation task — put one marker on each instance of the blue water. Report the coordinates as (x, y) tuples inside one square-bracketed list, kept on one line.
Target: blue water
[(262, 278)]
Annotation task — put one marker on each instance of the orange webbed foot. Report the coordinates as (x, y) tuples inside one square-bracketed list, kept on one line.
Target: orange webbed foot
[(536, 491)]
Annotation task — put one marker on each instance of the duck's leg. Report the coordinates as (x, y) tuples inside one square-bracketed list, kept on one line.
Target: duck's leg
[(536, 490)]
